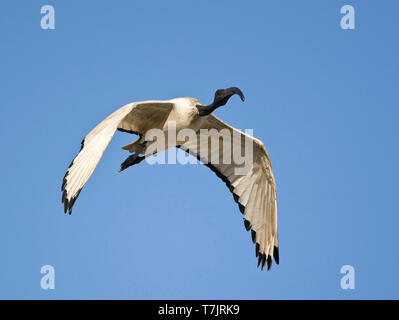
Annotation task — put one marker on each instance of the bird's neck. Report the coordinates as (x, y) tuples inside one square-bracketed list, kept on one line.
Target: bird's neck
[(207, 110)]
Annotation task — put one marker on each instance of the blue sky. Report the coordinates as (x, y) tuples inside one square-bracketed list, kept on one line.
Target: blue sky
[(322, 99)]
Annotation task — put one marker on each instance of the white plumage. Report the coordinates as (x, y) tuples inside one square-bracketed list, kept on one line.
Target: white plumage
[(254, 191)]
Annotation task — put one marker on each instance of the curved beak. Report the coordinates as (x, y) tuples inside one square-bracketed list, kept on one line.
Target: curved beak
[(234, 90)]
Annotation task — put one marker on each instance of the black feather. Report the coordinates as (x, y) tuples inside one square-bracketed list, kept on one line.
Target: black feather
[(260, 259), (263, 260), (82, 144), (253, 235), (276, 255), (130, 131)]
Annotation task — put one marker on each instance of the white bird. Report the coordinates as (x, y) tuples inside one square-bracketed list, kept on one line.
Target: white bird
[(254, 191)]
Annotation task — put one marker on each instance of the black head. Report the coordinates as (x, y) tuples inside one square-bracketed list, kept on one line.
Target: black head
[(221, 98), (223, 95)]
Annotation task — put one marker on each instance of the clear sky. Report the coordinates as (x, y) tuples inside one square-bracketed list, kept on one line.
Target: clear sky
[(323, 100)]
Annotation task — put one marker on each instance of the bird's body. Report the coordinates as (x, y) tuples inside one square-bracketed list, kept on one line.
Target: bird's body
[(181, 113), (185, 114), (254, 189)]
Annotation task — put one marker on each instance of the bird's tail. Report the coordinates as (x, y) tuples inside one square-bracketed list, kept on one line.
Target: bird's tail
[(132, 147)]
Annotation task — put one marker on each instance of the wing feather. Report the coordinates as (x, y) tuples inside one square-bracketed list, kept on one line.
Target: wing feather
[(133, 117), (255, 191)]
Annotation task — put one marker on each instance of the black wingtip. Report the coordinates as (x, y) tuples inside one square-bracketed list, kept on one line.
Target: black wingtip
[(260, 259), (264, 256), (276, 255), (253, 236), (68, 204), (82, 144), (247, 225)]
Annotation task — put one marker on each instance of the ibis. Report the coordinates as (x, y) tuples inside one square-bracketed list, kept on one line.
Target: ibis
[(254, 189)]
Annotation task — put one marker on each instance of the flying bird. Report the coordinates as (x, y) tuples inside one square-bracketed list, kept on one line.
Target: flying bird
[(254, 191)]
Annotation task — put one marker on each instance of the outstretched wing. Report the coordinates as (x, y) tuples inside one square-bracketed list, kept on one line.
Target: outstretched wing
[(254, 189), (133, 117)]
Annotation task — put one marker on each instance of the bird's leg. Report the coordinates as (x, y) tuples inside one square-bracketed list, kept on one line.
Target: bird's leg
[(134, 158)]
